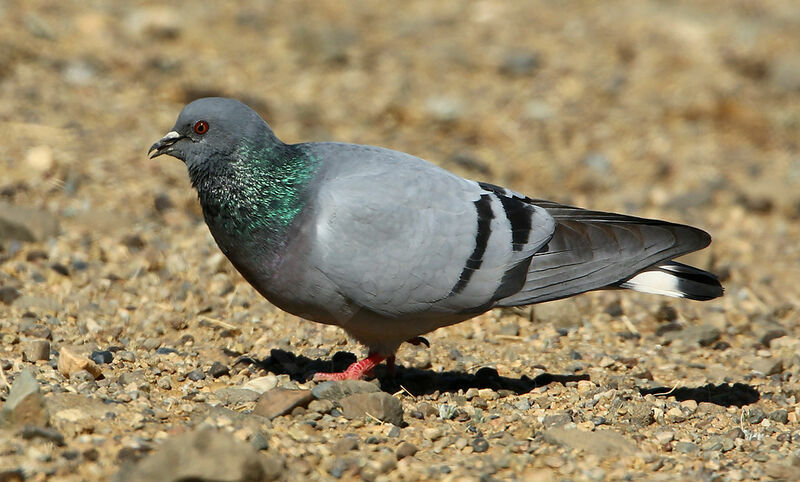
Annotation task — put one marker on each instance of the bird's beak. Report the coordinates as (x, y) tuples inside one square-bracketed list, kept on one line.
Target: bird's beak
[(164, 145)]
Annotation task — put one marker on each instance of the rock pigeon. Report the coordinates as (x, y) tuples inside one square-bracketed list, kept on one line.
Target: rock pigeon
[(389, 247)]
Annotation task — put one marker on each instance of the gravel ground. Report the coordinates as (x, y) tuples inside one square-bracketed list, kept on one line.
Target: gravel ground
[(131, 350)]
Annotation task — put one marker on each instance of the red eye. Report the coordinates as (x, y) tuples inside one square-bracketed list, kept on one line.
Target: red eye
[(201, 127)]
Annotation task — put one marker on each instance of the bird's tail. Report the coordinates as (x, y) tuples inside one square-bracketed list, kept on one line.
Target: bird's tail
[(677, 280)]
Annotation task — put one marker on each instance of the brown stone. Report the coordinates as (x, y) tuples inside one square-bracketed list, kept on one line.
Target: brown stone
[(280, 401)]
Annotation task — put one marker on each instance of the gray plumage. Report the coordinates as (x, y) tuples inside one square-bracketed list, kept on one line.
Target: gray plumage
[(389, 247)]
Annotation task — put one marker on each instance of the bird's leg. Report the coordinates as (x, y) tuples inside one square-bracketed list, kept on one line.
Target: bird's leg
[(357, 371), (390, 368)]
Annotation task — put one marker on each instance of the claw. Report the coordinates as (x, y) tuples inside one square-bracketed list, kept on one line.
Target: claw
[(418, 340)]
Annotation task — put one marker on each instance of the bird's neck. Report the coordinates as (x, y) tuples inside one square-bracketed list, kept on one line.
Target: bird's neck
[(257, 194)]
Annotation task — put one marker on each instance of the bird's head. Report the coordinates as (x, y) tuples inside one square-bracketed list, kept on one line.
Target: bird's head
[(212, 129)]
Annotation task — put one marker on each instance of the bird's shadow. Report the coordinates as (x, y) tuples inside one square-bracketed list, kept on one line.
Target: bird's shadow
[(421, 382), (736, 395)]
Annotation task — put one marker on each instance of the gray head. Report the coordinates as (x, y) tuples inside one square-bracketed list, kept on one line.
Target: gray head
[(212, 128)]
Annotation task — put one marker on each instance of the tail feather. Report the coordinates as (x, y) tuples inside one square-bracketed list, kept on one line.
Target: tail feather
[(677, 280)]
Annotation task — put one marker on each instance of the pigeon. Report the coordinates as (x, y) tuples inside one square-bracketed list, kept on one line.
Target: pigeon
[(390, 247)]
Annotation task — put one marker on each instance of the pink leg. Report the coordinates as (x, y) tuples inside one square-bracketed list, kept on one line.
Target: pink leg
[(357, 371)]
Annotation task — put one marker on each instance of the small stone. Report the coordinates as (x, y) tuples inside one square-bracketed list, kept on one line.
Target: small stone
[(126, 355), (344, 445), (8, 294), (261, 384), (25, 404), (767, 366), (258, 441), (320, 406), (781, 416), (24, 223), (405, 449), (35, 350), (164, 382), (196, 375), (640, 414), (102, 356), (603, 443), (586, 386), (162, 203), (480, 445), (379, 405), (509, 329), (218, 369), (685, 447), (204, 454), (427, 410), (432, 433), (735, 433), (520, 63), (39, 158), (72, 359), (664, 437), (606, 362), (556, 420), (280, 401), (781, 471), (755, 415), (703, 335), (675, 415), (236, 396), (337, 390)]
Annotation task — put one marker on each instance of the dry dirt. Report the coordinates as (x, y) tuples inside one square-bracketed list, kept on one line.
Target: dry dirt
[(683, 110)]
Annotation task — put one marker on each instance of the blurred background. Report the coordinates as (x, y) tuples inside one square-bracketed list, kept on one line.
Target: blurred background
[(683, 110)]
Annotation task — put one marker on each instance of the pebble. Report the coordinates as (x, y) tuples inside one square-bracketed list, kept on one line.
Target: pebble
[(218, 369), (781, 416), (556, 419), (378, 405), (337, 390), (603, 443), (196, 375), (203, 454), (102, 356), (25, 404), (261, 384), (665, 436), (755, 415), (35, 350), (236, 396), (344, 445), (73, 359), (405, 449), (164, 382), (8, 294), (685, 447), (24, 223), (432, 433), (480, 445), (520, 63), (703, 335), (281, 401), (767, 366), (427, 410)]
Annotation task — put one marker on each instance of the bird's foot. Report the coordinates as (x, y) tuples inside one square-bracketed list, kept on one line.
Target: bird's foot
[(357, 371), (418, 340)]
